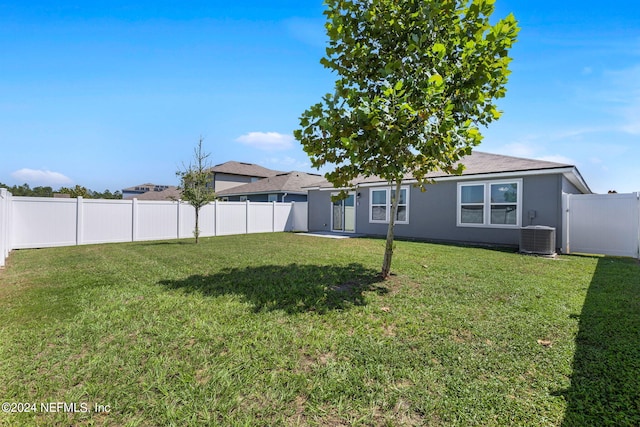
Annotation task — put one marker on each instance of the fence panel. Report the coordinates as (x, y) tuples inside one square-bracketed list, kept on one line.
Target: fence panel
[(106, 221), (606, 224), (187, 218), (260, 217), (207, 221), (156, 220), (231, 218), (297, 219), (40, 222), (282, 214)]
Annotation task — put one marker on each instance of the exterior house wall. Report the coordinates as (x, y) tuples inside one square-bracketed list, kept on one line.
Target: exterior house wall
[(131, 194), (433, 214), (265, 197), (319, 215), (568, 187), (223, 181)]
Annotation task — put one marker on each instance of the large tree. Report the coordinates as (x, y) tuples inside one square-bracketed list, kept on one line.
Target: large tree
[(195, 183), (77, 191), (416, 80)]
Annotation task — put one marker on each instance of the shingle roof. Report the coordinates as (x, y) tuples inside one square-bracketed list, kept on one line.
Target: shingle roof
[(171, 193), (290, 182), (144, 187), (244, 169), (479, 163)]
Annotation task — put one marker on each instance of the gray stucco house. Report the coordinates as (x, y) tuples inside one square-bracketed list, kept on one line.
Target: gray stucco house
[(494, 197), (283, 187), (233, 174)]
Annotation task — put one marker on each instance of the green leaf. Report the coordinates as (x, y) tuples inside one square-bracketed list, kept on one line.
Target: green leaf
[(398, 86), (439, 49), (436, 80)]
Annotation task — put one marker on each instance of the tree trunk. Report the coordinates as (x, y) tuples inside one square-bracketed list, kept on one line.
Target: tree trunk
[(388, 252), (196, 232)]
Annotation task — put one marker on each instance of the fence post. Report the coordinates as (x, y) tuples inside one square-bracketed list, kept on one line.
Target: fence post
[(79, 220), (134, 219), (566, 223), (292, 214), (273, 217)]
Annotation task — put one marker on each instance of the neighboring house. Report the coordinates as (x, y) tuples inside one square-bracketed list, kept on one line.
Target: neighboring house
[(170, 193), (232, 174), (494, 197), (283, 187), (136, 191)]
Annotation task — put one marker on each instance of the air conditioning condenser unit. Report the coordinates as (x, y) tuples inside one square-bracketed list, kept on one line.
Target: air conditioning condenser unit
[(538, 239)]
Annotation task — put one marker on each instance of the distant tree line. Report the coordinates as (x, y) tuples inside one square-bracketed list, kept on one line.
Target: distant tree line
[(78, 190)]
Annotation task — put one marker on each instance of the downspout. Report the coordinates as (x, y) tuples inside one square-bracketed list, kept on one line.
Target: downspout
[(283, 196)]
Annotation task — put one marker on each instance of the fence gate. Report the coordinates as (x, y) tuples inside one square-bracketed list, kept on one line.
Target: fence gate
[(606, 224)]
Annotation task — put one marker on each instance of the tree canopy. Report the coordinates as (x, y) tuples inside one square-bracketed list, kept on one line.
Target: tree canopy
[(416, 80), (47, 191)]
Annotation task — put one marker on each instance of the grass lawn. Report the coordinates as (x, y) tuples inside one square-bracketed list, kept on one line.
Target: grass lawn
[(283, 329)]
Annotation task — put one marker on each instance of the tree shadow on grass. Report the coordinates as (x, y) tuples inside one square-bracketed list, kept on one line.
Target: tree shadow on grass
[(294, 288), (605, 384)]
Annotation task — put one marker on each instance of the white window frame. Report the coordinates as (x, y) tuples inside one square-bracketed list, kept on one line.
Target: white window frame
[(387, 191), (243, 198), (486, 204)]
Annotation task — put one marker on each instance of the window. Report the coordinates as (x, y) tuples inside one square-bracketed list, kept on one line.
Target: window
[(489, 204), (272, 197), (243, 198), (472, 204), (504, 207), (380, 205)]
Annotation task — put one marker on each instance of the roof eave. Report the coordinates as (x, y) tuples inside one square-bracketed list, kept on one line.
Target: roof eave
[(245, 193), (570, 172), (575, 177)]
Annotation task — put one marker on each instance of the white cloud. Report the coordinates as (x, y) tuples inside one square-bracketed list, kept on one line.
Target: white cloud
[(41, 177), (534, 150), (268, 141), (519, 149), (289, 163), (557, 158)]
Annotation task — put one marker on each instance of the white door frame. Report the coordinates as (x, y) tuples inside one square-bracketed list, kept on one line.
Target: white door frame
[(350, 193)]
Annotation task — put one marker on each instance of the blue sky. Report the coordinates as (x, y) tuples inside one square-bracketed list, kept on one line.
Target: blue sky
[(113, 94)]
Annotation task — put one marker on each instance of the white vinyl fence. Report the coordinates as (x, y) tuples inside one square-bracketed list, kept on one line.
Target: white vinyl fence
[(5, 222), (38, 222), (606, 224)]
